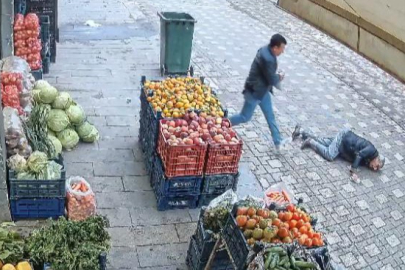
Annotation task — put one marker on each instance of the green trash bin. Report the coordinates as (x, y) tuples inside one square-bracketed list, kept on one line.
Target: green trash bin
[(176, 41)]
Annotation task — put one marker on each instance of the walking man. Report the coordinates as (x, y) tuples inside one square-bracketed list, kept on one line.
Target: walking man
[(262, 77), (345, 144)]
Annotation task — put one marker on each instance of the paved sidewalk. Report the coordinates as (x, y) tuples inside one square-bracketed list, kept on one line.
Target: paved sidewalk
[(327, 87)]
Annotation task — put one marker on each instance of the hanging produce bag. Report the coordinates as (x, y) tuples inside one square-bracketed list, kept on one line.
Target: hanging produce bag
[(81, 201), (16, 142)]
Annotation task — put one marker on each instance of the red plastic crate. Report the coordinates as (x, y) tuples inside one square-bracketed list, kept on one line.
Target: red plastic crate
[(181, 160), (223, 158)]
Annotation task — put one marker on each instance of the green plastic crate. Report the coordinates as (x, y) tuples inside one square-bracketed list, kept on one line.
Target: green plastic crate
[(176, 42)]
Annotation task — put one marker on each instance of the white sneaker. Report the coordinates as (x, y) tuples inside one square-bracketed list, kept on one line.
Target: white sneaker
[(282, 144)]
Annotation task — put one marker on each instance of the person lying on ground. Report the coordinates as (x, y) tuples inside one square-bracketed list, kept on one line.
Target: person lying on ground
[(345, 144), (259, 84)]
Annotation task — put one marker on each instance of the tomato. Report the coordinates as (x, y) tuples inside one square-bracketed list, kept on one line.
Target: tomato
[(276, 222), (296, 216), (316, 242), (288, 216), (300, 223), (303, 229), (284, 225), (283, 232), (310, 233), (317, 235), (302, 239), (305, 218), (287, 240), (292, 224), (291, 208), (295, 232), (281, 215), (308, 242)]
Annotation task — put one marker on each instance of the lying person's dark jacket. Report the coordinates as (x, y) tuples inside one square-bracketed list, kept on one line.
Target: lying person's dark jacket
[(357, 149)]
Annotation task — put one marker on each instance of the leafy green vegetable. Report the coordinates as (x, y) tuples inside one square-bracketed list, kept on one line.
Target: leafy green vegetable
[(57, 145), (62, 101), (37, 161), (11, 245), (57, 120), (48, 94), (70, 245), (76, 114), (68, 138), (87, 132)]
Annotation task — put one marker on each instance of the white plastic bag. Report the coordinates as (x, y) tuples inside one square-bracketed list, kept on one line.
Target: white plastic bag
[(279, 194), (81, 201), (227, 200), (16, 142)]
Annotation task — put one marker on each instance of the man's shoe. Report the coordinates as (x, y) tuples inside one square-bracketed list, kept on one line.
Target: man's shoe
[(306, 143), (297, 132)]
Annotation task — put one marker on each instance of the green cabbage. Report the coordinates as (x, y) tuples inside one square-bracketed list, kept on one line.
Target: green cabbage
[(41, 84), (87, 132), (37, 161), (56, 144), (48, 95), (53, 171), (76, 114), (51, 132), (26, 176), (62, 101), (57, 120), (68, 138)]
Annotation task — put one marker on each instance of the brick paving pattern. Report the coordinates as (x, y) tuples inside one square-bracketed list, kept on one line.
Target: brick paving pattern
[(327, 87)]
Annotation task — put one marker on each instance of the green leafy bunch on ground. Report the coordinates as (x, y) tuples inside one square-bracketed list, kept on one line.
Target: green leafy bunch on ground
[(70, 245)]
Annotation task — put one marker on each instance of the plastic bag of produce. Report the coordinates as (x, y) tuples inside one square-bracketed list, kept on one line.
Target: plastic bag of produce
[(251, 201), (278, 194), (227, 200), (81, 201), (17, 163), (16, 142)]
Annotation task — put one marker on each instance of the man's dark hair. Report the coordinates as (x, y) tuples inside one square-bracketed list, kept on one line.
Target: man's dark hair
[(276, 40)]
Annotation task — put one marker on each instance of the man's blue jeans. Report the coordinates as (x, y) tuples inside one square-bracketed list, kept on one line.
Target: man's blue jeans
[(267, 108)]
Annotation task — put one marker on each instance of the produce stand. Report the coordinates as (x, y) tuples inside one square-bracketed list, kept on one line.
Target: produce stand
[(191, 151)]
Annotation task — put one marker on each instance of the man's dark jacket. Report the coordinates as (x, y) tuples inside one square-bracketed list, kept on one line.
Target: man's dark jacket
[(357, 149), (262, 75)]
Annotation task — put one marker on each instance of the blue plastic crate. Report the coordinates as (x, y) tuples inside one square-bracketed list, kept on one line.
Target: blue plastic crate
[(176, 202), (20, 6), (37, 208), (37, 74), (187, 185)]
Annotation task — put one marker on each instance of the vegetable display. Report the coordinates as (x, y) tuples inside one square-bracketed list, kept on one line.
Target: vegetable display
[(12, 245), (70, 245), (87, 132), (81, 201), (57, 120), (76, 114), (282, 227), (68, 138), (174, 96), (26, 42)]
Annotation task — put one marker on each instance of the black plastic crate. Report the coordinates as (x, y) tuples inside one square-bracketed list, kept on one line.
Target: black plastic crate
[(45, 23), (37, 74), (102, 260), (205, 199), (37, 208), (20, 7), (218, 184), (195, 261), (187, 185), (235, 241), (176, 202)]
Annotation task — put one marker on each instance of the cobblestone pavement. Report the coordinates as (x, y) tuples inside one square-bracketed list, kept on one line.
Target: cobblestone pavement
[(327, 87)]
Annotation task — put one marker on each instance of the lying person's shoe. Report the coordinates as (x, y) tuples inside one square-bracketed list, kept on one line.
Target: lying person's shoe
[(297, 132), (306, 143)]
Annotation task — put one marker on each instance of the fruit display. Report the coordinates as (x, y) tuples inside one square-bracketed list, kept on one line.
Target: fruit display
[(26, 39), (198, 129), (175, 96), (287, 226)]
